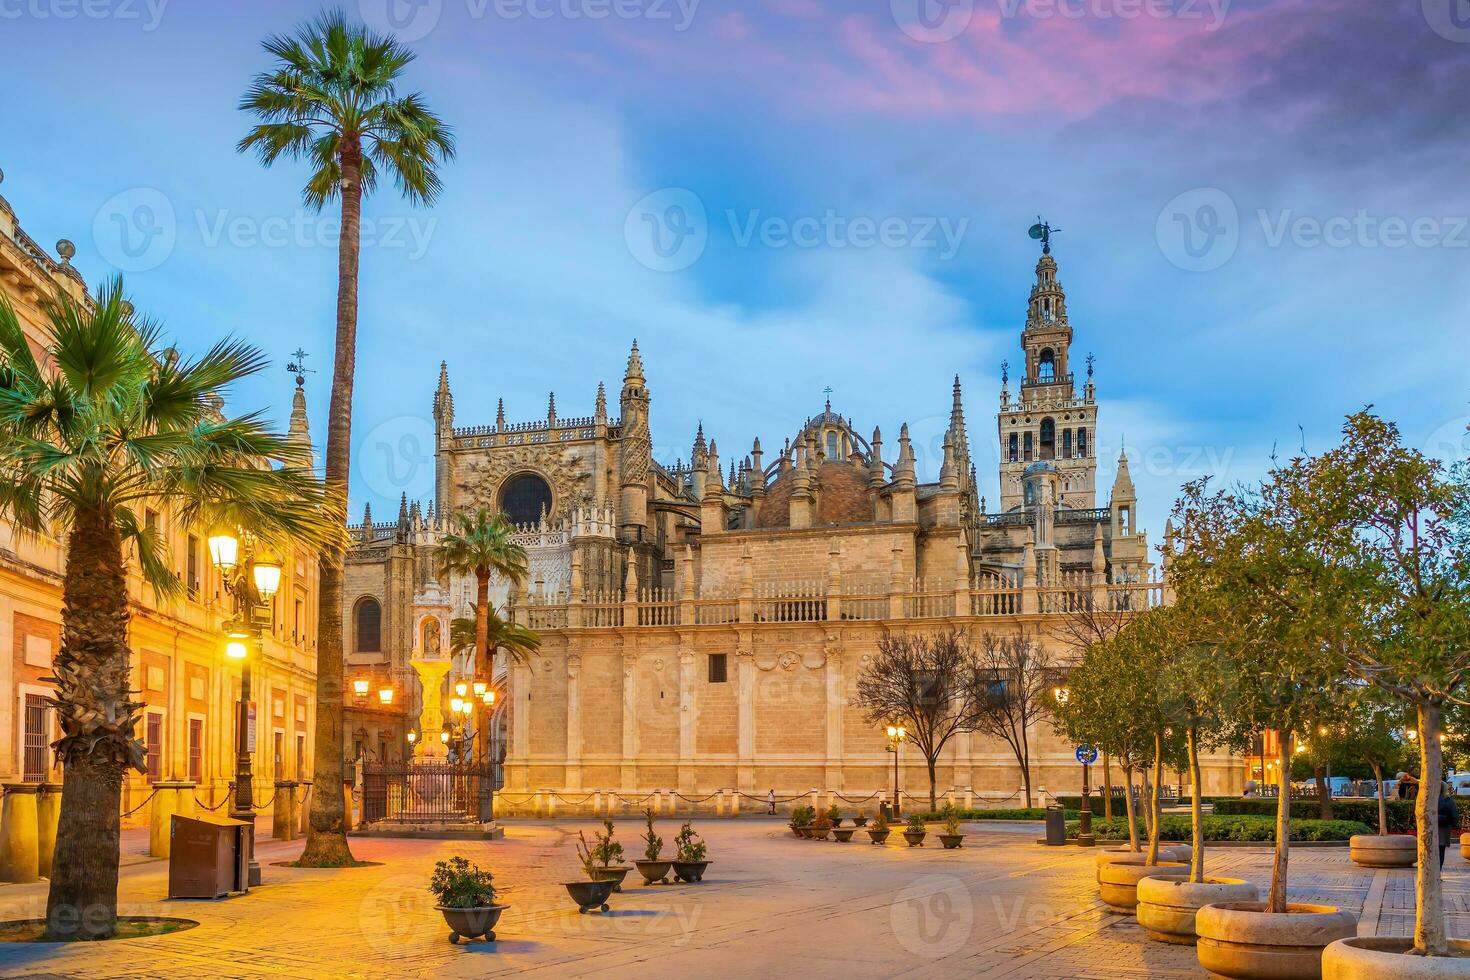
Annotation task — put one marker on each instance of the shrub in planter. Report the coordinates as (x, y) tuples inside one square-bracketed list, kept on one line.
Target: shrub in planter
[(801, 821), (598, 858), (821, 827), (879, 831), (653, 868), (465, 895), (951, 837), (690, 860), (914, 833), (861, 819), (835, 815)]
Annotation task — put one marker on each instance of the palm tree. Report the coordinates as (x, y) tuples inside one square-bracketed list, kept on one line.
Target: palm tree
[(331, 99), (518, 641), (112, 422)]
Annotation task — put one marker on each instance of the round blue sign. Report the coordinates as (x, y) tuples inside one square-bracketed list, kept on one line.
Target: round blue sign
[(1087, 754)]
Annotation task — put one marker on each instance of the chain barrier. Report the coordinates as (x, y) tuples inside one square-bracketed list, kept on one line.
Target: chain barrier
[(571, 802), (779, 799), (268, 803), (700, 799), (857, 799), (210, 809), (141, 805)]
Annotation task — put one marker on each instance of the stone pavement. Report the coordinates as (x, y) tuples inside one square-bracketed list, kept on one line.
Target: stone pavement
[(771, 905)]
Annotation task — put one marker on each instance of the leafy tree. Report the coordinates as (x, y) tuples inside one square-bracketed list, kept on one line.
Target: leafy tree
[(1013, 683), (102, 424), (925, 683), (331, 98), (1365, 729)]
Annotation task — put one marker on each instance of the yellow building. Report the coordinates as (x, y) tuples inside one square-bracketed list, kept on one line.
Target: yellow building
[(179, 669)]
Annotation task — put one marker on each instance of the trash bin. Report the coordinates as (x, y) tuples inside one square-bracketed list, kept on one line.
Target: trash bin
[(1056, 826), (209, 856)]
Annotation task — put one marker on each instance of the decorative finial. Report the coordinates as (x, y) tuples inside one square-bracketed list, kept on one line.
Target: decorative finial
[(828, 392), (1090, 358), (1042, 232), (1005, 372), (297, 366), (66, 250)]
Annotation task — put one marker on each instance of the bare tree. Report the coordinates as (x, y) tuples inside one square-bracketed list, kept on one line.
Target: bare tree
[(925, 684), (1013, 682)]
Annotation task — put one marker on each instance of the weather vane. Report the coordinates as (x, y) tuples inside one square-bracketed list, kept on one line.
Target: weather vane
[(828, 392), (298, 367), (1042, 232), (1005, 372), (1090, 358)]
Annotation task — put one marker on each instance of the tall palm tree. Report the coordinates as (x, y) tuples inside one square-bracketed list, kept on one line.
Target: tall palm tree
[(112, 422), (331, 99), (518, 641)]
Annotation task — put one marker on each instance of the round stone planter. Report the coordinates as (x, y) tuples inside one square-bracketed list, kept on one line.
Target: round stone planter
[(1167, 904), (914, 837), (1117, 882), (878, 836), (690, 871), (614, 874), (1167, 852), (1382, 958), (654, 872), (1241, 941), (843, 834), (473, 922), (1386, 851), (951, 842)]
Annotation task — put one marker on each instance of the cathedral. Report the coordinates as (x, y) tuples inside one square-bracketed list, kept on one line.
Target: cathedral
[(704, 623)]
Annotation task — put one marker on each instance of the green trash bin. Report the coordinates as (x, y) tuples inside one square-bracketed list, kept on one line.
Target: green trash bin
[(1056, 826)]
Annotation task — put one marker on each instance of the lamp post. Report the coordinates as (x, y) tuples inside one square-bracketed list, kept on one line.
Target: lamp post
[(1086, 756), (252, 584), (896, 735)]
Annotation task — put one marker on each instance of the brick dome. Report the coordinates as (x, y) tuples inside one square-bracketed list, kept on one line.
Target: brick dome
[(841, 490)]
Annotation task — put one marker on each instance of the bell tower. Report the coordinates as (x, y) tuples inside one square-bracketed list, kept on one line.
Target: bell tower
[(1048, 421)]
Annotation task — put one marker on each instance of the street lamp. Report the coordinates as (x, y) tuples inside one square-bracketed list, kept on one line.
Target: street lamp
[(360, 686), (896, 735), (385, 695), (481, 688), (461, 688), (1063, 694)]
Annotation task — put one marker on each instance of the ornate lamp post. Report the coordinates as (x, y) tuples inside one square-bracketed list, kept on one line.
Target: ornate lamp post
[(252, 584), (896, 734)]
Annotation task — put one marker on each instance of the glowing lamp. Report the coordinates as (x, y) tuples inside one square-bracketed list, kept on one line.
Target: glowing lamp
[(385, 695), (360, 687), (237, 650), (267, 575), (224, 551)]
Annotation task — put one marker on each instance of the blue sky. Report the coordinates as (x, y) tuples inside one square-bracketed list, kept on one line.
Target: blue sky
[(1263, 212)]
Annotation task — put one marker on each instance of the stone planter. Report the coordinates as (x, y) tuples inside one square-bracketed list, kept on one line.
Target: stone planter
[(859, 821), (654, 872), (471, 923), (796, 831), (1167, 904), (1465, 846), (844, 834), (1382, 958), (1171, 852), (1241, 941), (1117, 882), (915, 837), (614, 874), (879, 836), (951, 841), (806, 833), (691, 871), (820, 833), (1383, 851), (589, 895)]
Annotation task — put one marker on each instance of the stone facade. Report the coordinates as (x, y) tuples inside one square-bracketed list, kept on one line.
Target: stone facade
[(704, 623)]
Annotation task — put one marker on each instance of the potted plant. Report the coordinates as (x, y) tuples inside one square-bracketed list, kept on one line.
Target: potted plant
[(951, 837), (914, 833), (843, 834), (593, 893), (879, 831), (689, 862), (602, 855), (801, 821), (465, 895), (861, 820), (821, 826), (651, 867), (835, 815)]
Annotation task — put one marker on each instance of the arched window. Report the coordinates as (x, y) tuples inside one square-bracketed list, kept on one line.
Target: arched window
[(1066, 444), (1046, 367), (1015, 450), (524, 497), (1081, 443), (368, 618), (831, 445), (1048, 439)]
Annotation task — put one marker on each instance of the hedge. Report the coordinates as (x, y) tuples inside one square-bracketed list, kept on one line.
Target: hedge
[(1176, 827), (1400, 812), (1020, 813), (1075, 802)]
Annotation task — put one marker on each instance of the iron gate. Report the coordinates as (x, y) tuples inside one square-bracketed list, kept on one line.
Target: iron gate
[(426, 792)]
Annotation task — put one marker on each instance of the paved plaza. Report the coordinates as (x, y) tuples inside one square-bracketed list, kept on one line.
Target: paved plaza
[(770, 905)]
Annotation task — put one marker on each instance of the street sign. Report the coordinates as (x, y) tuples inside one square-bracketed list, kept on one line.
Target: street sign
[(1087, 754)]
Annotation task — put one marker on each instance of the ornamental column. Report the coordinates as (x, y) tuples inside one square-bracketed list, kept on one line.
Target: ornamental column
[(745, 715), (629, 774), (573, 776), (687, 715)]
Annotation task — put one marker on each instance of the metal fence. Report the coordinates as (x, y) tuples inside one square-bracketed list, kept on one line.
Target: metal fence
[(426, 792)]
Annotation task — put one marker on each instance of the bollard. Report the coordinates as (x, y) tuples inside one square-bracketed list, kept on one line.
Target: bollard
[(48, 816), (969, 798), (597, 804), (283, 816), (734, 803), (19, 857), (304, 807), (614, 803)]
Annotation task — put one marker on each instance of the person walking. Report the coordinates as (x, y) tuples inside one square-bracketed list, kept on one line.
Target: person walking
[(771, 803), (1449, 817)]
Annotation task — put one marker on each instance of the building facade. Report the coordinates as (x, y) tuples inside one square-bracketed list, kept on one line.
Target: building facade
[(179, 669), (704, 623)]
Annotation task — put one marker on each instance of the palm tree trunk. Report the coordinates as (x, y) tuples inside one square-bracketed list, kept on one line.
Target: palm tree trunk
[(1196, 814), (92, 682), (484, 658), (1429, 930), (1276, 898), (326, 839)]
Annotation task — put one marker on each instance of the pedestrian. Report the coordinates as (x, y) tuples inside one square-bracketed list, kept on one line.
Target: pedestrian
[(1449, 817), (771, 803), (1408, 786)]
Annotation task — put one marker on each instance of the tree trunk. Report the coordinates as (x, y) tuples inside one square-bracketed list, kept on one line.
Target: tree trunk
[(326, 838), (1026, 782), (1377, 768), (1153, 799), (1196, 812), (484, 658), (1429, 930), (1129, 809), (1145, 793), (933, 797), (1024, 758), (1276, 898), (91, 670), (1107, 787), (1324, 793)]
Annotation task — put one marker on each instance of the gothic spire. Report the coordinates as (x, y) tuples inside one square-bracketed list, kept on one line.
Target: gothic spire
[(443, 399), (634, 374), (500, 414), (601, 410), (299, 435)]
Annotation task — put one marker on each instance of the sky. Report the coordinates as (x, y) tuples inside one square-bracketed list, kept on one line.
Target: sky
[(1262, 203)]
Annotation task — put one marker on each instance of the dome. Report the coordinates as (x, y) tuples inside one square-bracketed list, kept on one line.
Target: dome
[(841, 490)]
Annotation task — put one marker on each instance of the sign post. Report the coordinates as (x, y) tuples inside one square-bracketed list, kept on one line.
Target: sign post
[(1086, 755)]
